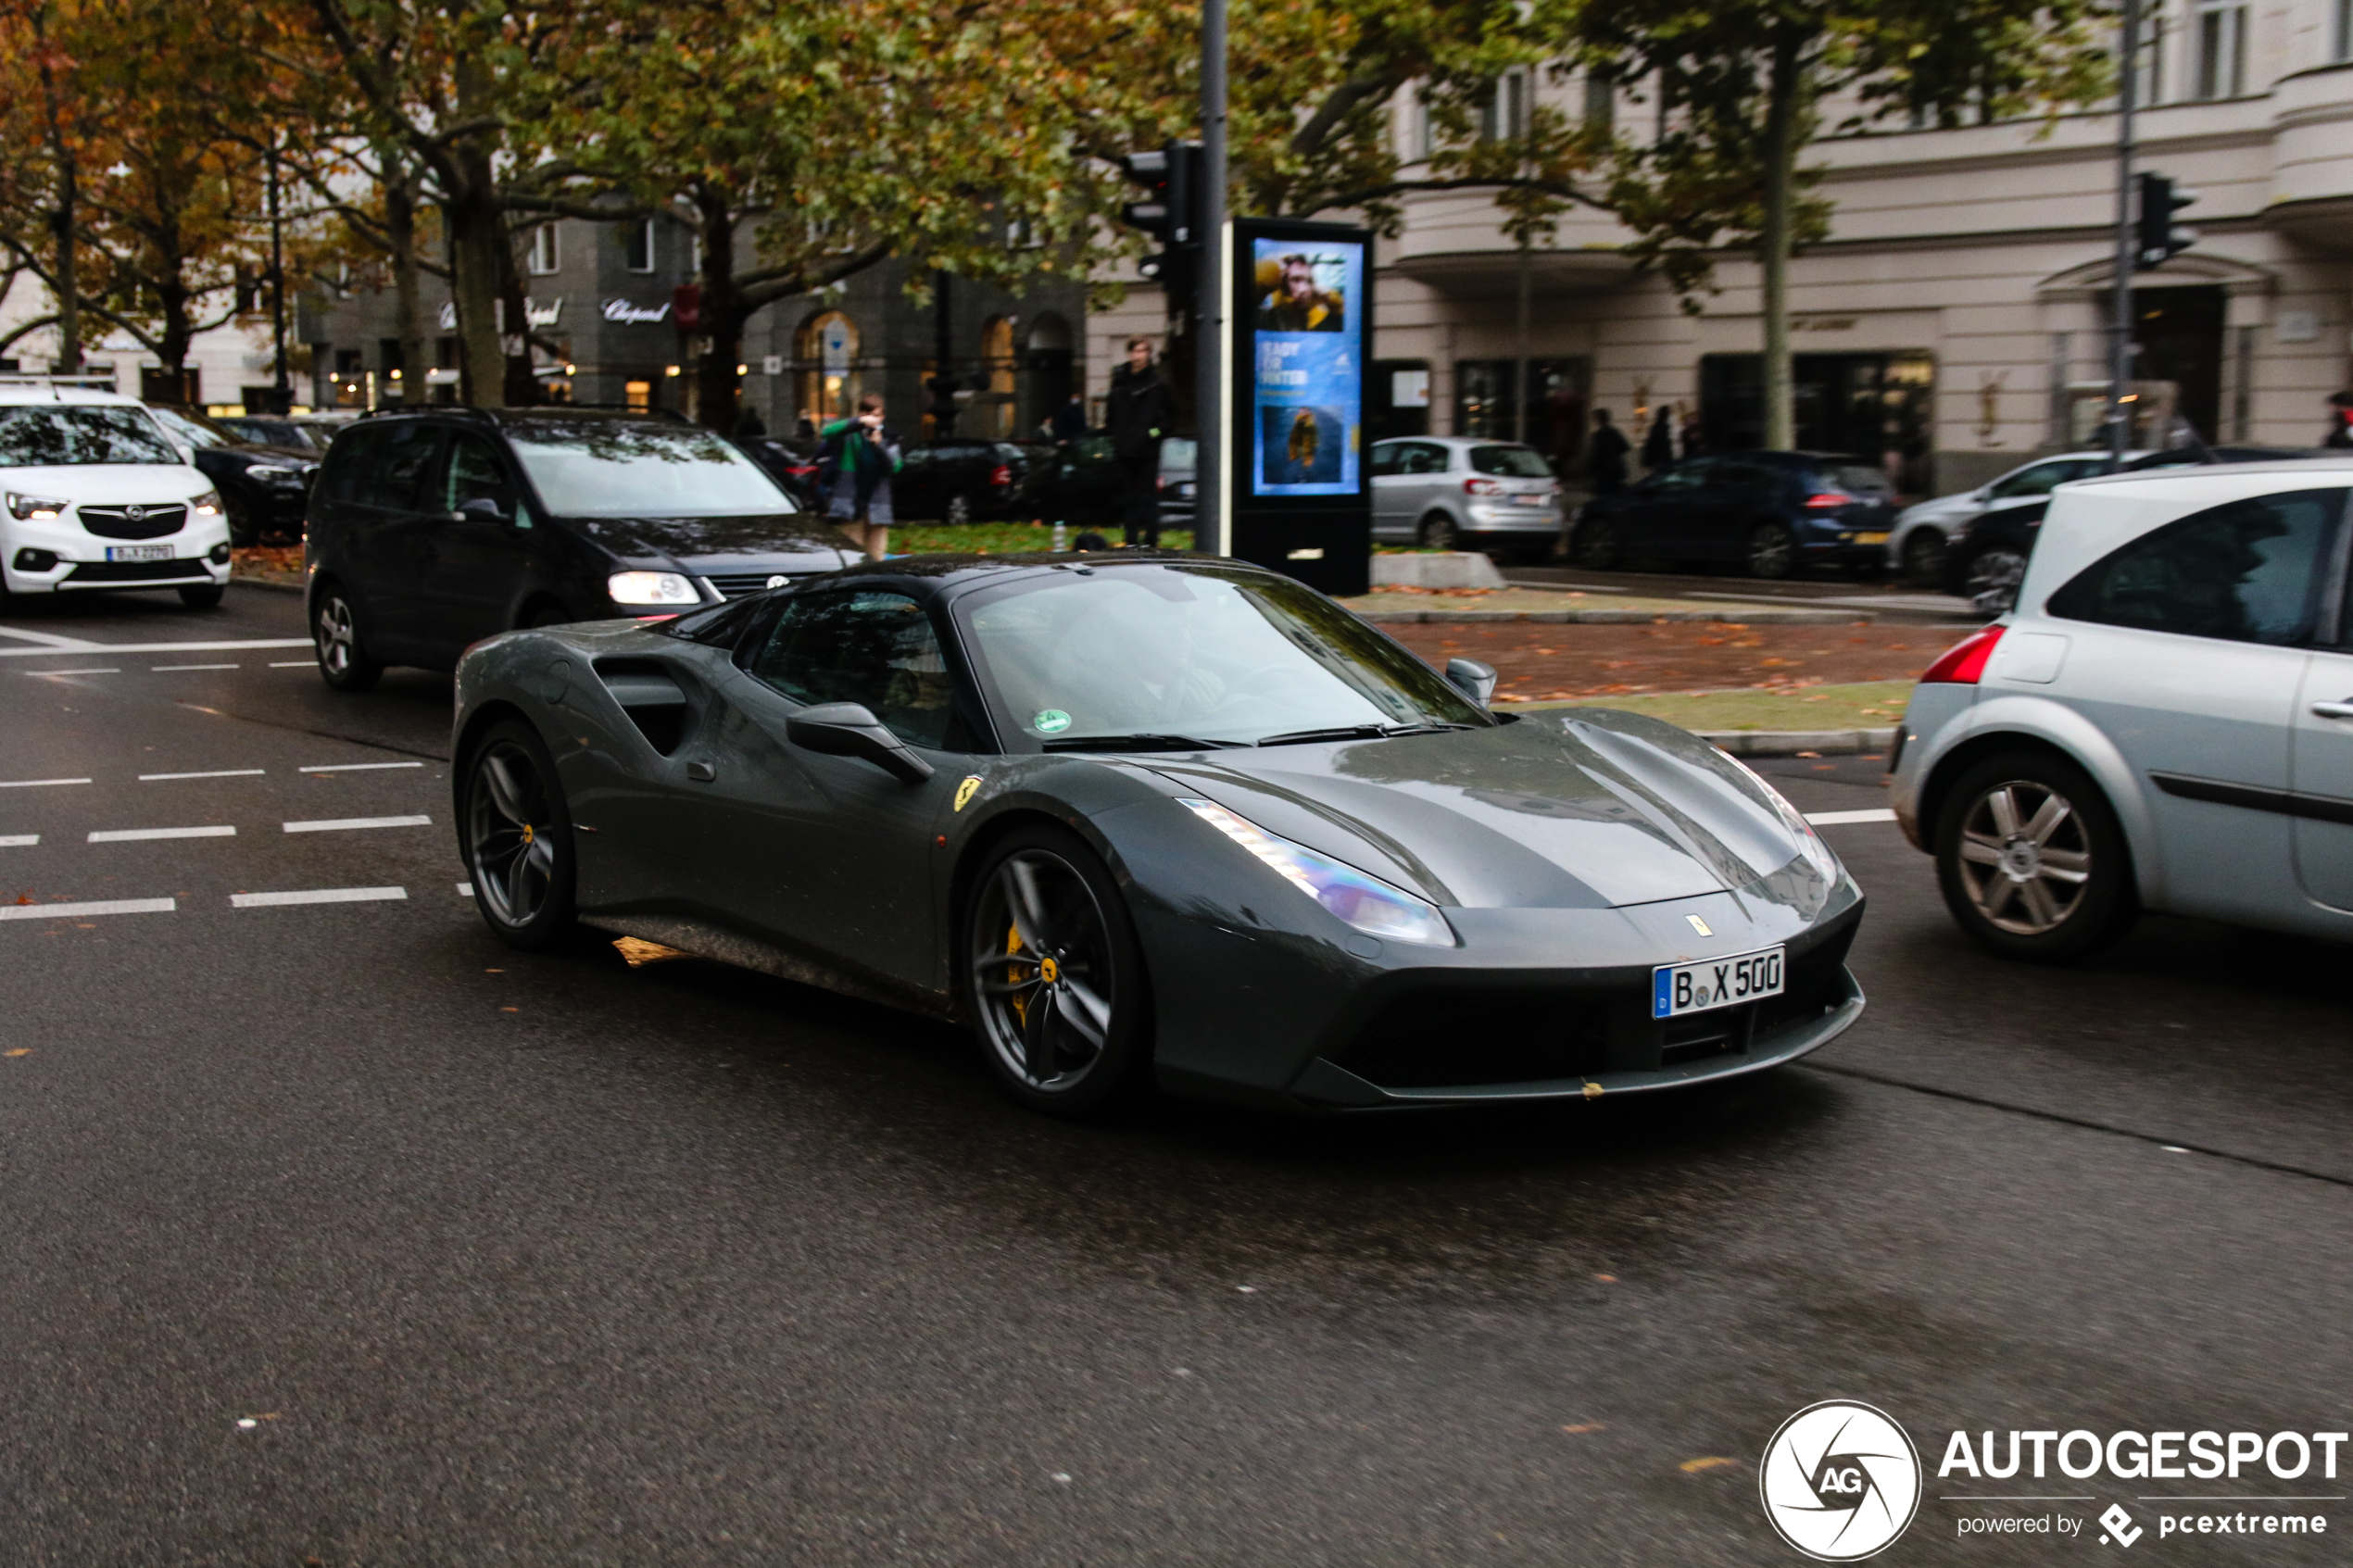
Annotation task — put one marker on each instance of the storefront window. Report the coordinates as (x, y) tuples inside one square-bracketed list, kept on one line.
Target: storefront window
[(824, 361), (1487, 403), (1879, 407)]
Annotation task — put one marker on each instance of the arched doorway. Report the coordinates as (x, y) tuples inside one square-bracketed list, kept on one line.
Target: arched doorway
[(826, 367), (997, 364), (1050, 367)]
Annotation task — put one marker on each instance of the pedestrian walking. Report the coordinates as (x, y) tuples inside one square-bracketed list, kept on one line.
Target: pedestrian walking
[(1605, 455), (1138, 414), (1658, 442), (2340, 420), (1069, 422), (854, 467)]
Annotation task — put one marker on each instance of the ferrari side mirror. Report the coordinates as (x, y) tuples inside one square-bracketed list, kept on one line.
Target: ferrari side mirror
[(1474, 680), (848, 729)]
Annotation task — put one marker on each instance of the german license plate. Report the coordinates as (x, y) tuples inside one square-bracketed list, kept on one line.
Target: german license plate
[(1535, 500), (1679, 988), (1876, 538), (138, 552)]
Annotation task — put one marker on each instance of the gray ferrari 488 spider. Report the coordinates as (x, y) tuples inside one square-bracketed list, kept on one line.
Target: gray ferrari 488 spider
[(1154, 819)]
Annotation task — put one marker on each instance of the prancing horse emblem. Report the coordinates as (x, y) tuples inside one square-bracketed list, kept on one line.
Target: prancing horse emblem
[(965, 791)]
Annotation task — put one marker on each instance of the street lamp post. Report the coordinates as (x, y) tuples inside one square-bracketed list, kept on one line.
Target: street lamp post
[(282, 391), (2119, 424), (1210, 533)]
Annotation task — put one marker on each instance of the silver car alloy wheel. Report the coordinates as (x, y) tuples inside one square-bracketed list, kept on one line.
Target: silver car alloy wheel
[(2026, 857), (1041, 970), (338, 636), (507, 836)]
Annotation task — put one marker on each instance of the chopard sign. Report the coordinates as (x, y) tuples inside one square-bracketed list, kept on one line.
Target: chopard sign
[(627, 314)]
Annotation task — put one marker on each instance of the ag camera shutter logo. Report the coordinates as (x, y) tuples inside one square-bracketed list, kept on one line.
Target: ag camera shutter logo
[(1841, 1480)]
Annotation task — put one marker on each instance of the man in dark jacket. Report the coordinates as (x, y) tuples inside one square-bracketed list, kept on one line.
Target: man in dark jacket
[(1605, 455), (1137, 414)]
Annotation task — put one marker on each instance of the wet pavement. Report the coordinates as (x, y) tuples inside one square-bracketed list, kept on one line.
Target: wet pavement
[(338, 1231)]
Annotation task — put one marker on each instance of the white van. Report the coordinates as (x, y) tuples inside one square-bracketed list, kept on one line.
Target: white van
[(95, 495)]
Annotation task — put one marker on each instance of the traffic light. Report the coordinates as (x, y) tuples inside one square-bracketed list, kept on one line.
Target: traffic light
[(2161, 240), (1170, 212)]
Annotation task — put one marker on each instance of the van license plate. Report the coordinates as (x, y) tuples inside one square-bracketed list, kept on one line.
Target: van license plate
[(1677, 989), (138, 552)]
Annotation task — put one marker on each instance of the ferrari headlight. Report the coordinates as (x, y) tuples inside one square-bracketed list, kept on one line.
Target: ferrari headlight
[(1368, 904), (206, 505), (652, 588), (35, 508)]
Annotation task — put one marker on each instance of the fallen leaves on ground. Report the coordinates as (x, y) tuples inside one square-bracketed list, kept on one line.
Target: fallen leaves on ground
[(640, 952)]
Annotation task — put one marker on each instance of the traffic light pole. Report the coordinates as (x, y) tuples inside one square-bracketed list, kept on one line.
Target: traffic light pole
[(2119, 424), (1211, 351)]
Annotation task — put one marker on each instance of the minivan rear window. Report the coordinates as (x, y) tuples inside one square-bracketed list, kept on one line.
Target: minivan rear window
[(50, 435), (603, 469)]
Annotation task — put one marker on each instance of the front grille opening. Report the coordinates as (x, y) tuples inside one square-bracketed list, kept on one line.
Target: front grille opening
[(1700, 1036), (1463, 1035), (116, 522), (737, 584), (137, 571)]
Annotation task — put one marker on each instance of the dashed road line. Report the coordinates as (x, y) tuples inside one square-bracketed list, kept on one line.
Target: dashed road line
[(355, 766), (102, 670), (85, 649), (336, 825), (216, 773), (292, 663), (37, 784), (317, 896), (75, 912), (159, 669), (1839, 819), (18, 840), (465, 890), (134, 835)]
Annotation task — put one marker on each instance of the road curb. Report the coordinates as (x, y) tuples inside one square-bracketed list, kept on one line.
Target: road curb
[(1613, 616), (236, 582)]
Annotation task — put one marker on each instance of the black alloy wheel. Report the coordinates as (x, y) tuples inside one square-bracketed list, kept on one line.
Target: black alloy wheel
[(1055, 976), (343, 662), (518, 839), (1439, 531), (1924, 563), (1992, 577), (2030, 860), (1772, 550), (1595, 544), (202, 596)]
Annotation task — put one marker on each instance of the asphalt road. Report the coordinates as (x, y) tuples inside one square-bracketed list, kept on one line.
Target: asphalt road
[(337, 1231)]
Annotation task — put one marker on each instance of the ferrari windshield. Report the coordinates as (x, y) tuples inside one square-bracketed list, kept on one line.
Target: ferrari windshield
[(603, 468), (1169, 654)]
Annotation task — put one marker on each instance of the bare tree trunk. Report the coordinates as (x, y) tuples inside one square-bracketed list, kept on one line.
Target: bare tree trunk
[(1781, 111), (514, 336), (477, 236), (68, 215), (400, 228), (721, 318)]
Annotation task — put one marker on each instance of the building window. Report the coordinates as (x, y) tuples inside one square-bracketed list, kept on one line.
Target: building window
[(2341, 36), (640, 395), (1601, 101), (639, 245), (2221, 48), (543, 256), (826, 355), (1503, 117), (1425, 128)]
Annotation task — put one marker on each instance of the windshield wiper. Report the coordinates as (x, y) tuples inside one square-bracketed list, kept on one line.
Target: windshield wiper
[(1137, 742), (1358, 731)]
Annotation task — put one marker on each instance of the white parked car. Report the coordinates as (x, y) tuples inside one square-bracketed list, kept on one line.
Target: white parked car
[(2164, 723), (95, 495), (1921, 547)]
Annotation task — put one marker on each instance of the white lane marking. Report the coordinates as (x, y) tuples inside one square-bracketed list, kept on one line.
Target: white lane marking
[(73, 911), (160, 648), (216, 773), (18, 840), (465, 890), (292, 663), (103, 669), (355, 766), (133, 836), (337, 824), (316, 896), (36, 784), (47, 639), (1836, 819), (159, 669)]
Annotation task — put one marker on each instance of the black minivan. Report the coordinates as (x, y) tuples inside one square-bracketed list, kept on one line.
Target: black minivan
[(429, 530)]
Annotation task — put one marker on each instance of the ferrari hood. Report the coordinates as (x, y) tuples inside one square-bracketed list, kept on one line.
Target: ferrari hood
[(1575, 809), (720, 544)]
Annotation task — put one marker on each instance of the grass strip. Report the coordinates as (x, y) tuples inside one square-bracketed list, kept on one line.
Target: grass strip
[(1867, 705)]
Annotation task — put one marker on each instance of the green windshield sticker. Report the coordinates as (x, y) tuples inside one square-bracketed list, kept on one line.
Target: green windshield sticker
[(1050, 722)]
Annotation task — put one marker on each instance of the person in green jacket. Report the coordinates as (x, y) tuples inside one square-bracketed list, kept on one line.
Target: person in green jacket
[(854, 467)]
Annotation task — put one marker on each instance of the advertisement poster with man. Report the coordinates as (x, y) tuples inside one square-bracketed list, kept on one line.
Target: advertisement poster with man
[(1307, 376)]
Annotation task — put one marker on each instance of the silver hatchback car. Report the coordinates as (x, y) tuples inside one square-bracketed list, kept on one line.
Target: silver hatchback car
[(2164, 722), (1459, 492)]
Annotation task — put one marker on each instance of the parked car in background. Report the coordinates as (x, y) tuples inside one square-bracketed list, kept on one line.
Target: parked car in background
[(265, 489), (2164, 723), (434, 529), (93, 493), (1075, 481), (1180, 495), (1771, 512), (961, 479), (1920, 546), (1459, 492), (789, 461)]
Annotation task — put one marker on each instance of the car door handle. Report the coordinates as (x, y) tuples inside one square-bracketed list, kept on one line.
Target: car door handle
[(2334, 710), (701, 772)]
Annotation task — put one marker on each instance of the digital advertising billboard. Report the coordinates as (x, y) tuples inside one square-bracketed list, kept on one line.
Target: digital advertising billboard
[(1305, 310)]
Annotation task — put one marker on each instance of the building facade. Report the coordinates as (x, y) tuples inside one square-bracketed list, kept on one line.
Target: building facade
[(1955, 321)]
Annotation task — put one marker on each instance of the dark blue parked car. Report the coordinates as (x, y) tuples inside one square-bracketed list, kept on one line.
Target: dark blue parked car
[(1772, 511)]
